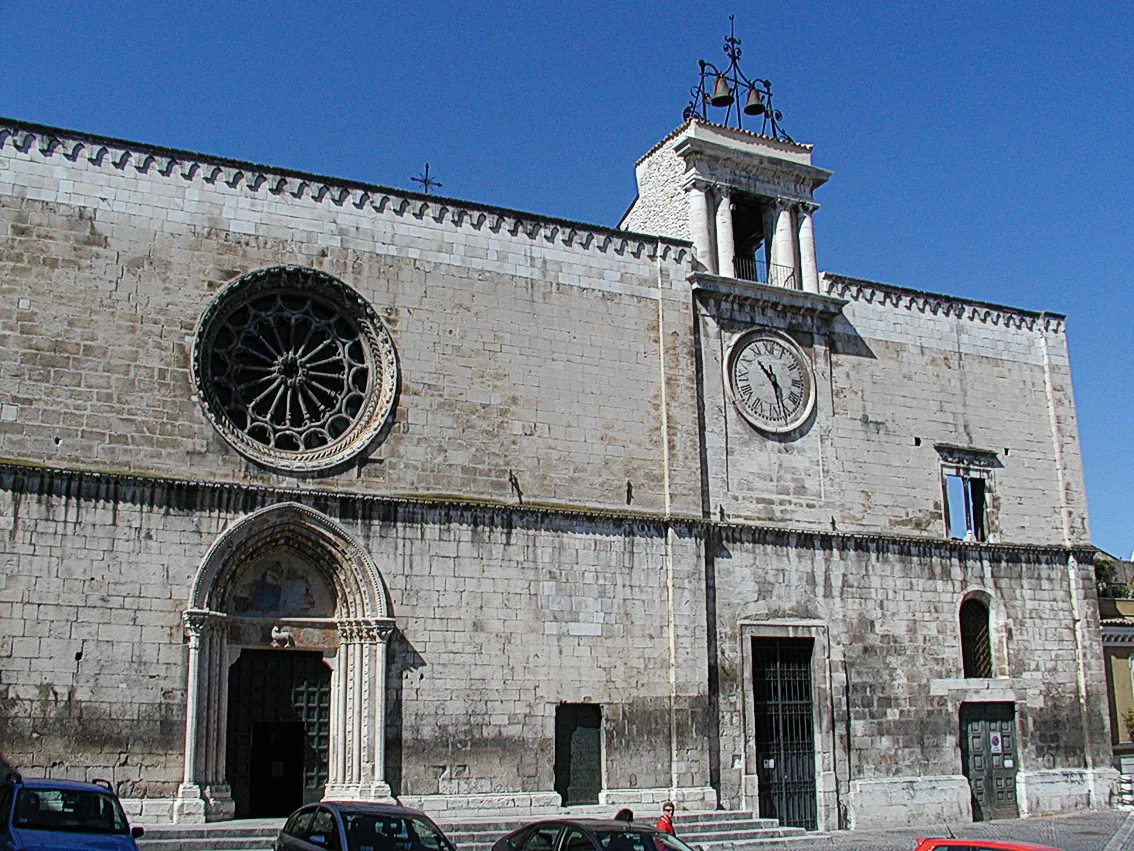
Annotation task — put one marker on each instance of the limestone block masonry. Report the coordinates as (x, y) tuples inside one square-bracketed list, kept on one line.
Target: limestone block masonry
[(552, 564)]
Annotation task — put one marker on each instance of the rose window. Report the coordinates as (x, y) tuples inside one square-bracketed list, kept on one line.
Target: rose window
[(294, 369)]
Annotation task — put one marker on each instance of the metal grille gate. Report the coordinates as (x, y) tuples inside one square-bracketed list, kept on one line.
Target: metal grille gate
[(784, 730)]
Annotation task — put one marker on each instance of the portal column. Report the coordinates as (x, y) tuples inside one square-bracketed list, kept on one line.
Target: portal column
[(726, 243), (808, 266), (357, 749), (381, 640), (699, 223), (203, 794)]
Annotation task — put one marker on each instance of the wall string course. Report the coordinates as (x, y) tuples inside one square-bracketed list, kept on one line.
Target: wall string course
[(76, 487)]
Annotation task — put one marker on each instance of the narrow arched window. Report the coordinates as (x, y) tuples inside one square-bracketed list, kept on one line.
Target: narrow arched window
[(976, 650)]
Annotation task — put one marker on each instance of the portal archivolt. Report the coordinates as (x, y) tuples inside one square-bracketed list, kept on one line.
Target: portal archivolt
[(287, 578)]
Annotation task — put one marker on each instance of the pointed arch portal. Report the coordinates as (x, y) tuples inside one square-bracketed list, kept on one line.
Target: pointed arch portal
[(287, 578)]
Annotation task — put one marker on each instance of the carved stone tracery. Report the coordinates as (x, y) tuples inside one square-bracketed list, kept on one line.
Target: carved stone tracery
[(294, 369)]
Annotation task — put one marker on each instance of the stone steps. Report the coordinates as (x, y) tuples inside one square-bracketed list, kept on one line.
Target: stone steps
[(240, 835), (713, 831), (718, 831)]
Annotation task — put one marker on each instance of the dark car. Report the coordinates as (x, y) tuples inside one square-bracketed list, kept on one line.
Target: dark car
[(360, 826), (53, 815), (588, 835)]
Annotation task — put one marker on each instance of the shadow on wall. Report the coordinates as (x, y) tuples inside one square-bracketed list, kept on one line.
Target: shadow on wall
[(845, 340), (402, 661), (6, 767)]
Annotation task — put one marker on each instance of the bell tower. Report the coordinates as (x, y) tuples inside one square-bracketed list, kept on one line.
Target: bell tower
[(744, 198)]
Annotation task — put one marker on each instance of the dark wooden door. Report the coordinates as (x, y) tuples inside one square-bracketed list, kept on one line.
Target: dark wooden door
[(275, 771), (989, 759), (278, 725), (578, 753), (784, 730)]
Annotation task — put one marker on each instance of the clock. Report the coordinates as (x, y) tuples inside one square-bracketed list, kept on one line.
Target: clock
[(770, 380)]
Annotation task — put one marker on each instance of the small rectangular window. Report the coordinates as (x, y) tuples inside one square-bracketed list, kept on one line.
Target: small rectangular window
[(968, 486), (964, 508)]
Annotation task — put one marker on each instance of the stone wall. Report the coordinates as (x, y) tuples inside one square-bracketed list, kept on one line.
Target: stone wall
[(566, 506), (894, 685), (501, 616), (537, 342)]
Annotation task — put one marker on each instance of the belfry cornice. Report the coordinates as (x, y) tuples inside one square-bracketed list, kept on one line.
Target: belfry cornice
[(693, 149), (765, 295)]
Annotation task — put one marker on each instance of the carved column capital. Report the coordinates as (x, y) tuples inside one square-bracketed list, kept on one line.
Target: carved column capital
[(365, 630), (807, 207), (699, 184), (199, 622)]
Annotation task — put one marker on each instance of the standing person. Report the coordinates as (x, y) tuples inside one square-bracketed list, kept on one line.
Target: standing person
[(665, 823), (625, 814)]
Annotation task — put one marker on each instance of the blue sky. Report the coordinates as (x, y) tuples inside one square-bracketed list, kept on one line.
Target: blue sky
[(979, 149)]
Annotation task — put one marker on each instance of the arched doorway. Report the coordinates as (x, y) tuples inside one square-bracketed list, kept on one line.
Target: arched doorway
[(287, 626)]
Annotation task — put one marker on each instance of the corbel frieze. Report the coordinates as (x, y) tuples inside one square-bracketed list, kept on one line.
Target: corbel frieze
[(38, 141), (886, 295)]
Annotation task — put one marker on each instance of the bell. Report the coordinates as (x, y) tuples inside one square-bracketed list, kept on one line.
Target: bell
[(755, 103), (722, 94)]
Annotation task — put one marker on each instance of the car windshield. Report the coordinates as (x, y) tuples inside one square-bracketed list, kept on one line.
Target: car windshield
[(371, 832), (629, 840), (74, 810)]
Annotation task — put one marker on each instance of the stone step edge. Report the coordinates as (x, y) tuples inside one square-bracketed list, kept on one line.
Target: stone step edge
[(714, 833), (235, 827)]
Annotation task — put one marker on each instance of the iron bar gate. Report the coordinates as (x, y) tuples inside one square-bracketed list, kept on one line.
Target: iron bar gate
[(784, 730)]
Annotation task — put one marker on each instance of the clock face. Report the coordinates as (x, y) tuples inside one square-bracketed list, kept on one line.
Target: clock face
[(770, 380)]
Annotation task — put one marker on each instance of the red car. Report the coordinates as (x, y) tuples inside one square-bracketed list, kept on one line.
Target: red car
[(979, 845)]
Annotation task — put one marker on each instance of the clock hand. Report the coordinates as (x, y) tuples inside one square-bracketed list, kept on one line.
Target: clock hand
[(770, 373)]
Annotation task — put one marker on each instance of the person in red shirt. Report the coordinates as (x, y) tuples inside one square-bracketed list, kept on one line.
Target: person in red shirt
[(665, 823)]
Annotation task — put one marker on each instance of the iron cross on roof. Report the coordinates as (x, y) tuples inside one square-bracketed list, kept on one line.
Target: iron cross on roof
[(426, 181)]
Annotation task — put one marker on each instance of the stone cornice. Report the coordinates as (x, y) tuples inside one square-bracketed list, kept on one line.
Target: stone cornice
[(241, 499), (1118, 632), (774, 169), (766, 295), (680, 128), (45, 142), (871, 292)]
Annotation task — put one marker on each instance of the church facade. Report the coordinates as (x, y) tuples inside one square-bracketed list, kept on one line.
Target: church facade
[(311, 488)]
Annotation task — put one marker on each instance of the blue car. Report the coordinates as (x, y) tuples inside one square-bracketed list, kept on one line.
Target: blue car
[(62, 815)]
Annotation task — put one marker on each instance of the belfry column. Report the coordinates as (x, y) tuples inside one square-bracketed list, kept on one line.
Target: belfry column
[(726, 243), (808, 266), (782, 271), (699, 223)]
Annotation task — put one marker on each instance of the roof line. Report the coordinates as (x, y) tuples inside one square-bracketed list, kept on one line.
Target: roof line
[(182, 154)]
